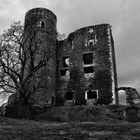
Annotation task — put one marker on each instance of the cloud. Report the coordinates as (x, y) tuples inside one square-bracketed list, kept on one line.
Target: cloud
[(10, 11), (14, 10)]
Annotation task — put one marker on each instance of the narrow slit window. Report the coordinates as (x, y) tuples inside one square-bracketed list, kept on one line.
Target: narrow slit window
[(91, 42), (57, 64), (88, 58)]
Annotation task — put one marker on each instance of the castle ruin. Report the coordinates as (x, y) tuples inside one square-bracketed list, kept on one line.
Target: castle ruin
[(82, 69)]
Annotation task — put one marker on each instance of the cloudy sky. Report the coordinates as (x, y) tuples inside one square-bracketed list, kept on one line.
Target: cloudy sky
[(123, 15)]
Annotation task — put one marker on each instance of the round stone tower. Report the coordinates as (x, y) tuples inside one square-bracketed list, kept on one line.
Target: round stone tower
[(40, 35)]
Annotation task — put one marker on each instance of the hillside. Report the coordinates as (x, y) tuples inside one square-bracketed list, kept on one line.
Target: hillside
[(71, 123), (14, 129)]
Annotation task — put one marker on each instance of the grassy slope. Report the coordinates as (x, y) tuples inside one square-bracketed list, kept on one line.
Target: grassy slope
[(14, 129), (79, 113)]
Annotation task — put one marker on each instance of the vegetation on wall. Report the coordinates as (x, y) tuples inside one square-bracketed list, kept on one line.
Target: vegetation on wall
[(103, 78), (102, 81), (76, 84), (59, 97)]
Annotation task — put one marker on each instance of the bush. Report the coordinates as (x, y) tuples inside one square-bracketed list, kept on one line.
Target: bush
[(17, 111), (80, 99), (59, 101)]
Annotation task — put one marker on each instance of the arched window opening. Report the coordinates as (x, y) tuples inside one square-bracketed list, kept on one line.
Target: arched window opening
[(42, 24), (122, 97)]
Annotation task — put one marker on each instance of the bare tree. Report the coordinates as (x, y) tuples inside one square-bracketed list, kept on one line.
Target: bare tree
[(20, 61)]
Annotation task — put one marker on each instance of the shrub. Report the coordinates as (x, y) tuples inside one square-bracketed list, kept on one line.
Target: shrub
[(59, 101), (80, 99)]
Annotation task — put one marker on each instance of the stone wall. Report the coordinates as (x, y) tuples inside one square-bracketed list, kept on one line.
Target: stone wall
[(81, 73), (81, 65)]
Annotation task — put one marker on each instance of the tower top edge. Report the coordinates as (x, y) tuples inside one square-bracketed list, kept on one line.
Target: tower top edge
[(91, 26), (39, 9)]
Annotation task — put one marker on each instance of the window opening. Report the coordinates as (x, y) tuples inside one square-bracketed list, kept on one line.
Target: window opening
[(91, 30), (53, 100), (88, 58), (65, 61), (86, 42), (72, 45), (91, 42), (95, 39), (69, 95), (88, 69), (64, 72), (92, 94), (57, 64), (42, 24)]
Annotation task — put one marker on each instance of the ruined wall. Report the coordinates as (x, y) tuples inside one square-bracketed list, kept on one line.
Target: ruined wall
[(42, 23), (81, 65), (86, 61)]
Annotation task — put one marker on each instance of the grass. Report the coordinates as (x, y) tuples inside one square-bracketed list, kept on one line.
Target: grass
[(14, 129), (71, 123)]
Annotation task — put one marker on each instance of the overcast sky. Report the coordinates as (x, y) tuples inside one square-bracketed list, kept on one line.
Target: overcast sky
[(123, 15)]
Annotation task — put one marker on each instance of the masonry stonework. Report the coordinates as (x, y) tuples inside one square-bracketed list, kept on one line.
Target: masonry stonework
[(83, 69), (99, 74), (40, 30)]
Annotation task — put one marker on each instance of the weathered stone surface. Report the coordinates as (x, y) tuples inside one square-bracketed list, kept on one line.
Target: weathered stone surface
[(99, 42), (84, 61), (43, 22)]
